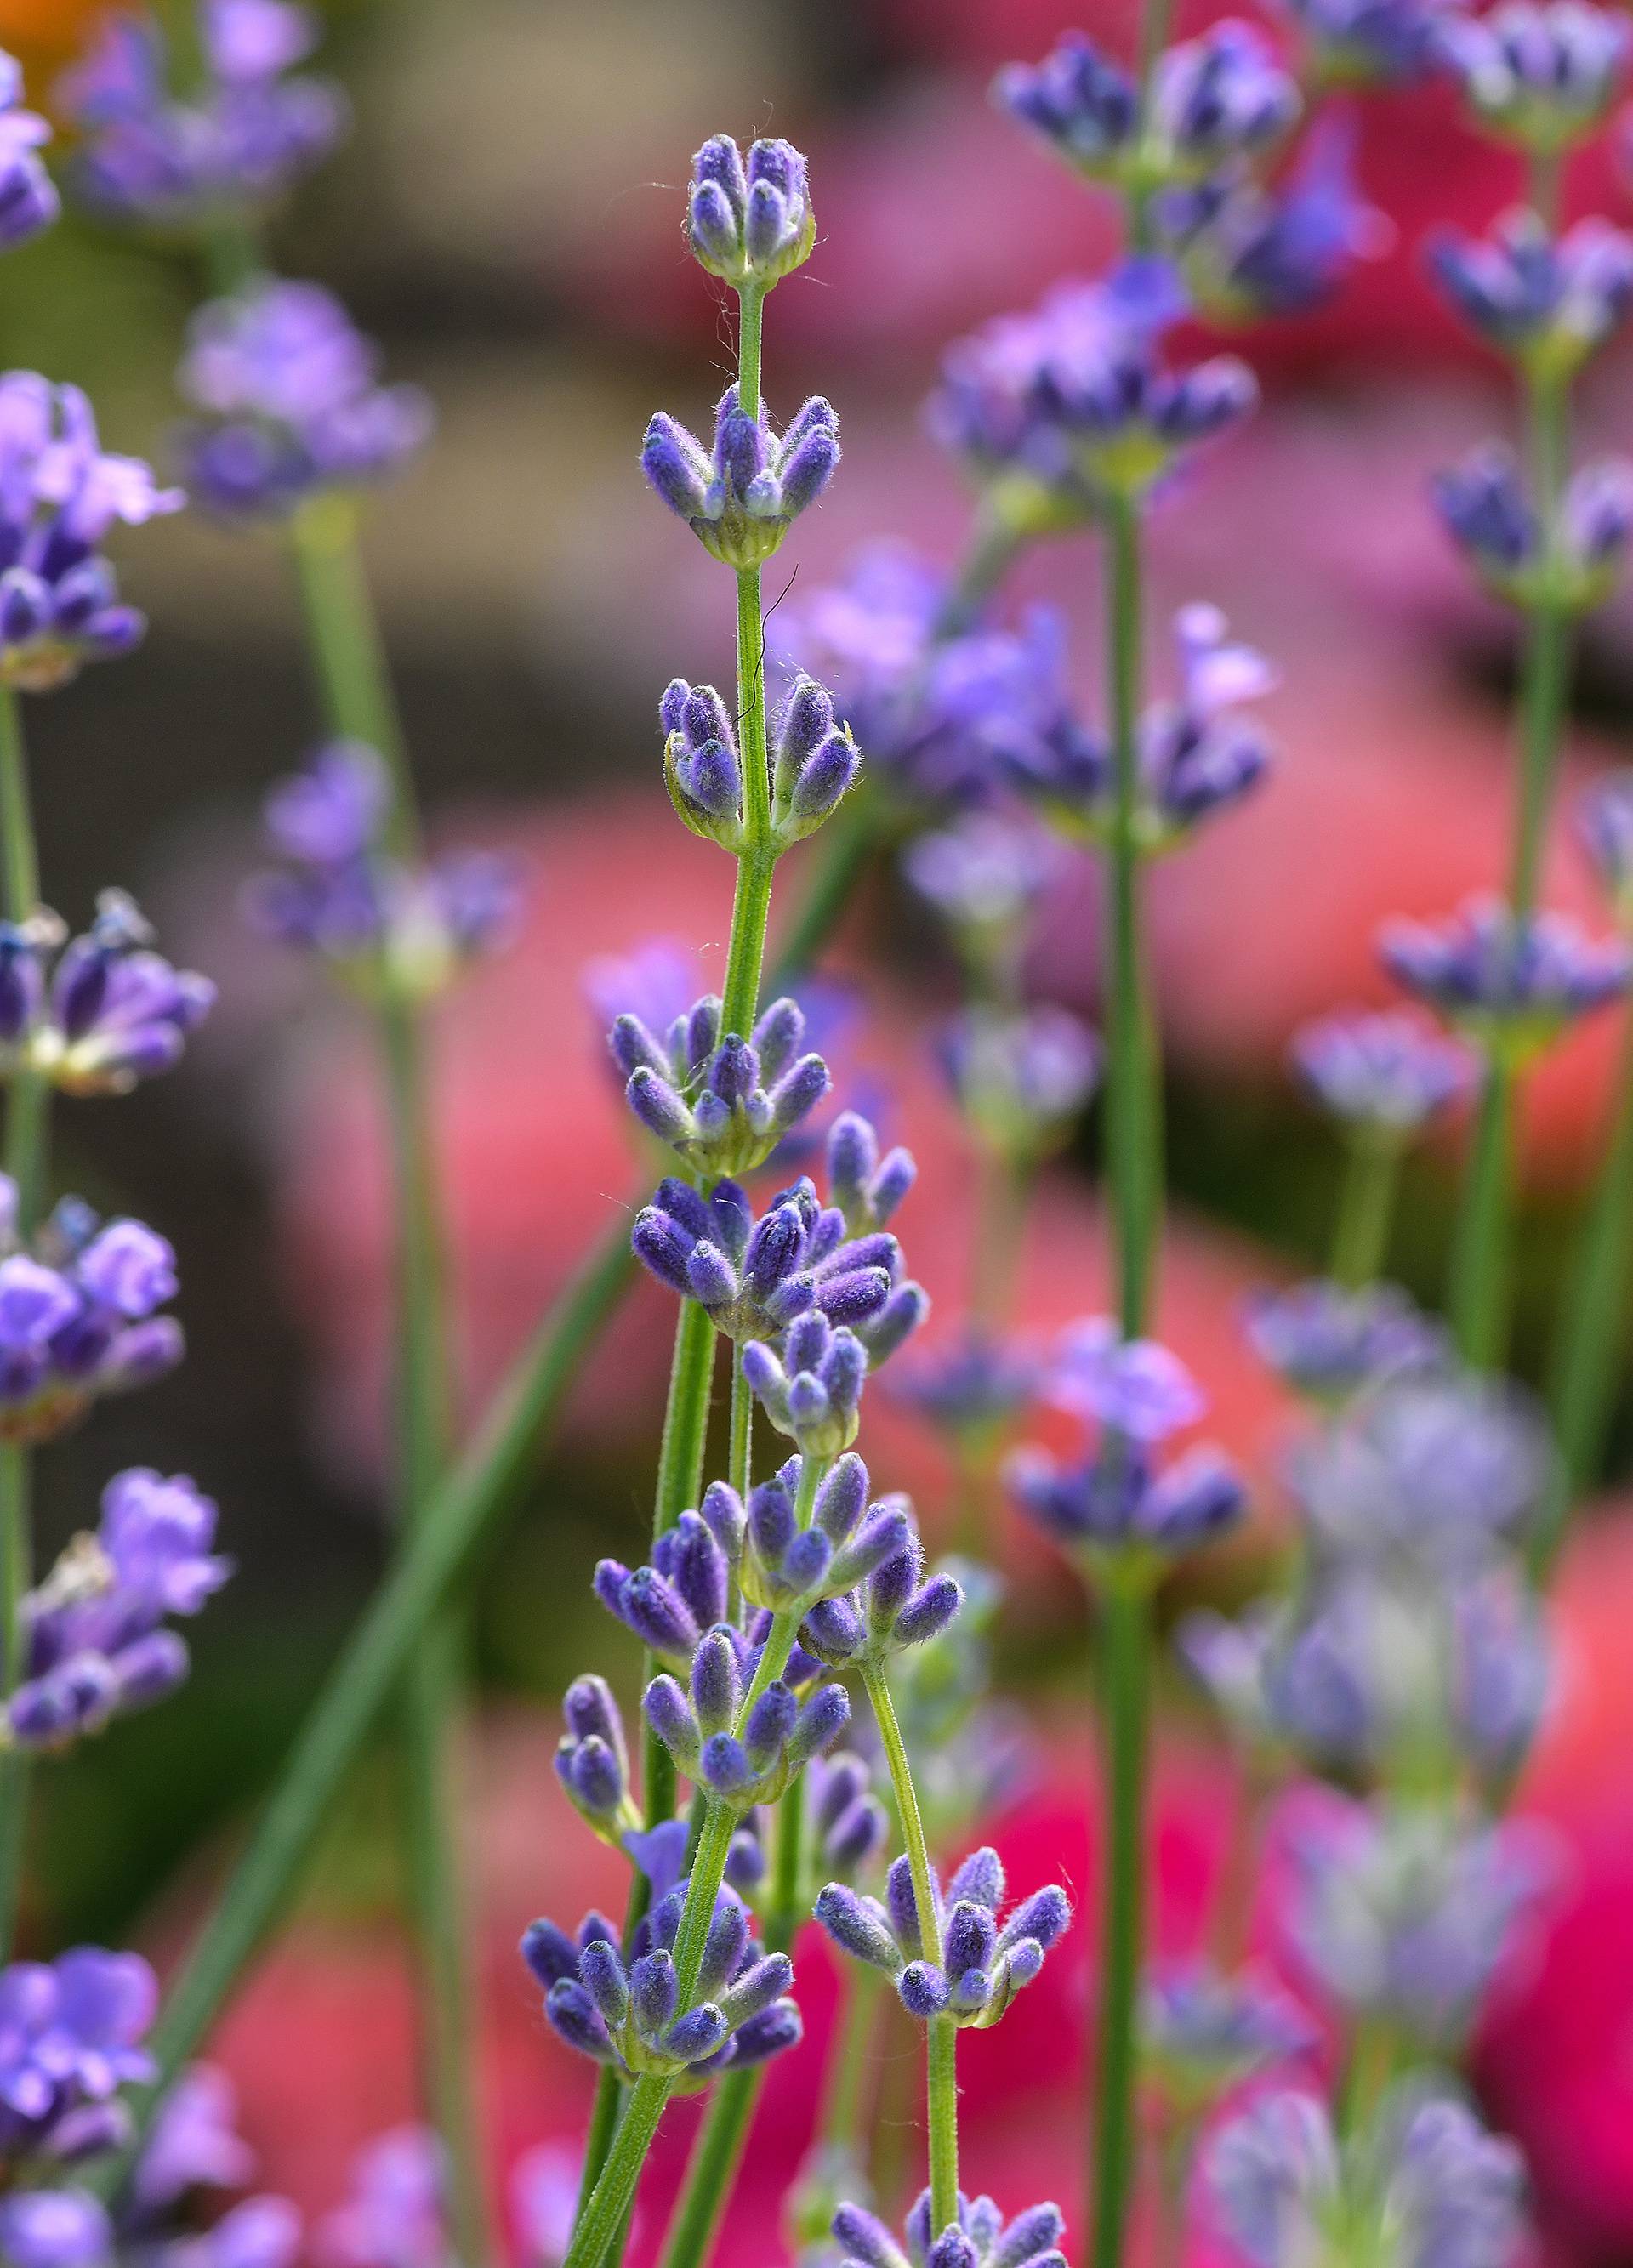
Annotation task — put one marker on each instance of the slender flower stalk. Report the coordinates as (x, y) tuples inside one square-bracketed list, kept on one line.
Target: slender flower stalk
[(25, 1134), (1127, 1640), (1366, 1209), (942, 2029)]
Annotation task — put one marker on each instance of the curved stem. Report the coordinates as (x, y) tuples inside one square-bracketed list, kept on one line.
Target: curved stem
[(942, 2046), (1366, 1208), (1127, 1645)]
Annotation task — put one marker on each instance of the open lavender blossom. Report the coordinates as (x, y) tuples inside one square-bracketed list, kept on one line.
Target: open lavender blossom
[(985, 1959), (623, 2008), (291, 407), (242, 134), (385, 925), (1196, 755), (1540, 73), (96, 1015), (95, 1639), (741, 496), (1384, 1074), (1020, 1079), (28, 198), (1486, 510), (1203, 2033), (1514, 987), (1331, 1343), (1549, 302), (1366, 43), (78, 1314), (981, 2238), (71, 2038), (59, 495), (751, 223)]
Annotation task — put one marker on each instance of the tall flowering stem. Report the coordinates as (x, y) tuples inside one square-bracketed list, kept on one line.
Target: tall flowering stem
[(1125, 1641), (24, 1162), (355, 688), (942, 2029)]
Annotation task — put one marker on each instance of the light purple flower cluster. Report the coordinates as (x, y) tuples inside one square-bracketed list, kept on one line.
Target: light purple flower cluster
[(812, 763), (1056, 410), (1214, 100), (623, 2010), (981, 2238), (98, 1014), (1115, 1508), (1329, 1342), (741, 496), (1020, 1079), (1489, 516), (1549, 302), (78, 1316), (781, 1730), (71, 2038), (749, 223), (1196, 757), (722, 1102), (1385, 1075), (290, 402), (95, 1644), (237, 141), (1203, 2033), (937, 711), (382, 923), (28, 199), (60, 494), (970, 1387), (1371, 42), (985, 874), (1541, 73), (985, 1958), (1423, 2186), (1512, 986)]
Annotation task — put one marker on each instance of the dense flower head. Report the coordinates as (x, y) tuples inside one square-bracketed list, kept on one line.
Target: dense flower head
[(743, 1752), (1058, 410), (1214, 99), (751, 223), (897, 1606), (244, 134), (1020, 1077), (813, 762), (289, 401), (70, 2036), (78, 1314), (848, 1822), (812, 1390), (722, 1102), (1512, 985), (970, 1387), (95, 1644), (783, 1553), (1248, 251), (1485, 507), (28, 199), (1370, 1675), (1196, 755), (1546, 300), (1203, 2032), (1541, 73), (1604, 816), (1371, 42), (1331, 1342), (981, 2237), (1400, 1914), (1435, 1475), (60, 494), (1424, 2186), (1384, 1073), (96, 1015), (741, 496), (621, 2006), (754, 1273), (381, 921), (974, 1963), (937, 699)]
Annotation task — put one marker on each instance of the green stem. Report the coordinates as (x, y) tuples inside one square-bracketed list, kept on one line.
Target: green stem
[(1366, 1208), (603, 2216), (348, 653), (1477, 1295), (1002, 1189), (751, 907), (994, 544), (1127, 1644), (27, 1129), (1592, 1333), (944, 2032), (845, 2101), (1135, 1171), (465, 1509)]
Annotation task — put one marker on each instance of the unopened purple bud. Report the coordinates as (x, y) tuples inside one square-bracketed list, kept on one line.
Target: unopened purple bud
[(575, 2017), (820, 1723), (724, 1763), (653, 1988), (856, 1926), (753, 1992), (1044, 1915), (928, 1612), (716, 1685), (669, 1715), (923, 1989), (550, 1953), (697, 2034), (842, 1498), (601, 1973)]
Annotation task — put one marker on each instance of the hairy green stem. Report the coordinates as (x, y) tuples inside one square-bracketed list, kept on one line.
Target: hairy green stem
[(942, 2046), (27, 1096), (604, 2213), (1365, 1210), (1126, 1630)]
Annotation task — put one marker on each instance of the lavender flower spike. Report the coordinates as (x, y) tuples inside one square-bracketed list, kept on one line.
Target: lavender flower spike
[(1549, 303), (740, 497), (110, 1013), (1541, 73), (1330, 1342), (750, 225), (1514, 987), (981, 2237), (1490, 517), (28, 198), (1203, 2033), (985, 1958), (1385, 1075), (749, 1761), (71, 2038), (722, 1102), (1021, 1079), (812, 1391), (813, 762)]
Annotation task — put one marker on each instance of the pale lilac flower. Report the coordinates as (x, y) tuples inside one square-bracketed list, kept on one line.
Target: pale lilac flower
[(28, 198), (99, 1013)]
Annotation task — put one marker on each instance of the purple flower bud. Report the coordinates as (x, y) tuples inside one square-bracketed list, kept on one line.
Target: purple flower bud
[(858, 1927), (653, 1990), (923, 1989)]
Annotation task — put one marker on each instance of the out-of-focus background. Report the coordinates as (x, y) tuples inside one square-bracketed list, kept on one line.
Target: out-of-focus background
[(505, 219)]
